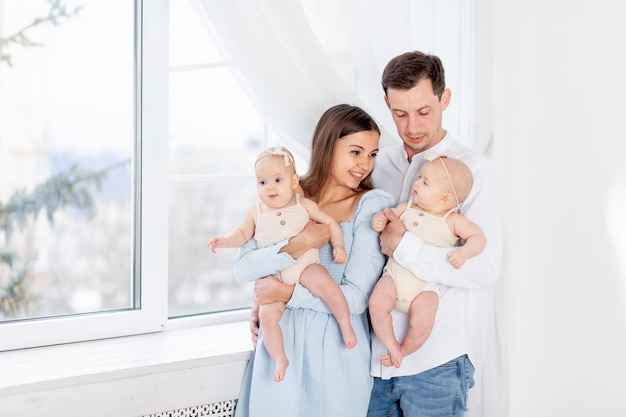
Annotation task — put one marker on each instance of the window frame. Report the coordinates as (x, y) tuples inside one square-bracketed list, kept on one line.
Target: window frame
[(150, 211)]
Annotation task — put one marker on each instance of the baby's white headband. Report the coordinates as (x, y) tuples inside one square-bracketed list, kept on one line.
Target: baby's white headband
[(278, 151)]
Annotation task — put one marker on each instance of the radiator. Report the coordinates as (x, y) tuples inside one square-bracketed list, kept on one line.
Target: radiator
[(219, 409)]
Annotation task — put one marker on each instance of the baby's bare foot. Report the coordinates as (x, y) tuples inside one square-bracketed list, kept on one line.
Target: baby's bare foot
[(280, 369), (396, 358), (393, 358), (386, 360), (349, 337)]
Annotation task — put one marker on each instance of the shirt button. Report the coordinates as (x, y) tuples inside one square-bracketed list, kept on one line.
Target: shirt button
[(282, 222), (278, 213), (415, 224)]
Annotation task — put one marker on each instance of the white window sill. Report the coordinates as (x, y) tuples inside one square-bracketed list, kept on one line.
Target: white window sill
[(44, 368)]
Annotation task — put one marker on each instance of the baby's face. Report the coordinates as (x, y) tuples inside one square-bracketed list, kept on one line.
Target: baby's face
[(430, 187), (276, 183)]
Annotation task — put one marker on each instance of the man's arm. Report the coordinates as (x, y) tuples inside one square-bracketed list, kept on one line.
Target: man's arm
[(431, 263)]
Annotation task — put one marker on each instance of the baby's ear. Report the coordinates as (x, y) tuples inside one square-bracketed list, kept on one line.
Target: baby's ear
[(446, 198), (295, 181)]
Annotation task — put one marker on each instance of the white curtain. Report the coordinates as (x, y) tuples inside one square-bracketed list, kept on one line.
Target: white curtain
[(298, 58)]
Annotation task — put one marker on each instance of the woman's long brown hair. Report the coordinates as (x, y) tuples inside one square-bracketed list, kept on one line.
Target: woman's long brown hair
[(336, 122)]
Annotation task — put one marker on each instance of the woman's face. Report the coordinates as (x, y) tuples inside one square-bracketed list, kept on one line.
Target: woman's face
[(353, 158)]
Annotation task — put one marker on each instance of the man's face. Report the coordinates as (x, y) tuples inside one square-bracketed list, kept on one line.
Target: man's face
[(417, 114)]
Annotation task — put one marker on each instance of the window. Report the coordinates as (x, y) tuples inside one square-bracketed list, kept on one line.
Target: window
[(73, 181), (158, 108), (67, 160)]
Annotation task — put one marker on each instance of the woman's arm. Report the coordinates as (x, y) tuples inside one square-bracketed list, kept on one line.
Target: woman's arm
[(252, 263), (365, 261), (271, 289)]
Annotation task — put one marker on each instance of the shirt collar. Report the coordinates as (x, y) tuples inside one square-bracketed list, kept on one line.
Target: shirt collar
[(438, 149)]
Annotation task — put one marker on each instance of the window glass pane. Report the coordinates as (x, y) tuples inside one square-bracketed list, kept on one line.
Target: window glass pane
[(211, 116), (200, 281), (189, 41), (215, 134), (66, 157)]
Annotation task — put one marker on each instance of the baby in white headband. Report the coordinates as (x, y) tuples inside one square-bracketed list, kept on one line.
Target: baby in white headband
[(281, 214)]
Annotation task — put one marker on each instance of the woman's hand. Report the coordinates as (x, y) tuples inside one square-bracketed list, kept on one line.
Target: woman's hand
[(314, 235), (270, 289)]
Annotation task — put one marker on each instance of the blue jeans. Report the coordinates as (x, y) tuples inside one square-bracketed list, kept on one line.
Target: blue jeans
[(438, 392)]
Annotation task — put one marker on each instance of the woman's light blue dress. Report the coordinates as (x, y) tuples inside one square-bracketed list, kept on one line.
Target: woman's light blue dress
[(324, 378)]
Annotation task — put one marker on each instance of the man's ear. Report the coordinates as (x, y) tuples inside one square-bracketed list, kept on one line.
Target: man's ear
[(445, 98), (387, 102)]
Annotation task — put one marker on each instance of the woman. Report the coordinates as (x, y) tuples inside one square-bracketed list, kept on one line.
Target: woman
[(324, 378)]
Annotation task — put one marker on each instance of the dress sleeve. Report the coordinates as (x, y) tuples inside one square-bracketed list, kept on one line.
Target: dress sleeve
[(365, 260), (431, 263), (252, 263)]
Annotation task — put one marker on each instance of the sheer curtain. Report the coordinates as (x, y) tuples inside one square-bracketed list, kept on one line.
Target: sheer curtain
[(297, 58)]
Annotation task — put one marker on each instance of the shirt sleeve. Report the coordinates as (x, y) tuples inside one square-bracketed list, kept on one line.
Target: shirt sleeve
[(252, 263), (365, 260), (431, 263)]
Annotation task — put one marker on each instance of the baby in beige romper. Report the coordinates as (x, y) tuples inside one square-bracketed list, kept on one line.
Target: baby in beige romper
[(432, 214), (281, 214)]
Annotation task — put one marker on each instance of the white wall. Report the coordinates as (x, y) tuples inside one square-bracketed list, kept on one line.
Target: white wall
[(559, 112), (177, 372)]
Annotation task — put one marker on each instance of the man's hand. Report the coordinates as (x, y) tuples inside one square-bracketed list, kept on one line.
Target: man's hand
[(254, 324), (392, 234)]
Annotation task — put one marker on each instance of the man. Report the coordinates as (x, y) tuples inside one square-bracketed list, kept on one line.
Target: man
[(434, 381)]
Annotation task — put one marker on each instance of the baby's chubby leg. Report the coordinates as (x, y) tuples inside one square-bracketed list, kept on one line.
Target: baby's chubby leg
[(382, 301), (269, 316), (317, 280), (422, 314)]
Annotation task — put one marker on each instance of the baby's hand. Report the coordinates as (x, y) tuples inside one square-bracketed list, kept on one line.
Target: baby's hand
[(215, 243), (379, 221), (456, 259), (340, 255)]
